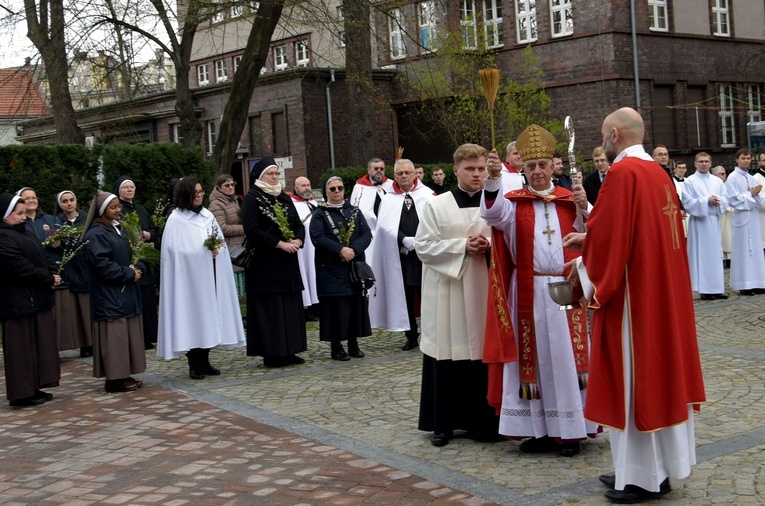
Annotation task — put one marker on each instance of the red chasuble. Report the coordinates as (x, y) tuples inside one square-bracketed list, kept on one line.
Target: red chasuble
[(500, 343), (635, 247)]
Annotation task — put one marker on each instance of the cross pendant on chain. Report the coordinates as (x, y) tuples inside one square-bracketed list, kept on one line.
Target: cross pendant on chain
[(549, 232)]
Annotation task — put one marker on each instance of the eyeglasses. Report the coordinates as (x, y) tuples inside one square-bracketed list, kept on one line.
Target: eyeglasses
[(336, 188), (229, 185), (405, 173), (199, 192)]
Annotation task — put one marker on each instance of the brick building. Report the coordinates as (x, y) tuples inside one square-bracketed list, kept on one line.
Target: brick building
[(697, 84)]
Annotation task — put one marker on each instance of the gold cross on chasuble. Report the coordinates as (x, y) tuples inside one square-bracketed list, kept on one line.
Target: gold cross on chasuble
[(671, 211), (549, 232)]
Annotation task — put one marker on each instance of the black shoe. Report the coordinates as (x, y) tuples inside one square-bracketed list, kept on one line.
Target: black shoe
[(45, 396), (570, 449), (410, 345), (708, 296), (721, 296), (195, 373), (340, 354), (294, 359), (540, 445), (440, 439), (86, 351), (148, 346), (746, 293), (204, 364), (633, 494), (274, 361), (26, 401), (121, 385), (758, 291), (353, 349)]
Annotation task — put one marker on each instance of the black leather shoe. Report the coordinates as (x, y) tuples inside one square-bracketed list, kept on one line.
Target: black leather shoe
[(45, 396), (608, 480), (207, 369), (86, 351), (355, 352), (570, 449), (26, 401), (758, 291), (439, 439), (746, 293), (708, 296), (410, 345), (294, 359), (540, 445), (196, 373), (120, 385), (633, 494), (721, 296), (340, 355), (274, 361)]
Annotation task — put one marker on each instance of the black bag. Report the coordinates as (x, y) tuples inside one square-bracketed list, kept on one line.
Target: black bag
[(240, 255), (362, 275)]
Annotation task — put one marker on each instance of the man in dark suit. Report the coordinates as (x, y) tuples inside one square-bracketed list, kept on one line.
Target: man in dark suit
[(559, 178), (593, 180)]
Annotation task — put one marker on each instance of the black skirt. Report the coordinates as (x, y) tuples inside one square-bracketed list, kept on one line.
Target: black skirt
[(343, 318), (275, 325), (453, 397)]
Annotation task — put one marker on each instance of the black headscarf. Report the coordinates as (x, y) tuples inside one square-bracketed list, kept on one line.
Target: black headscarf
[(8, 203)]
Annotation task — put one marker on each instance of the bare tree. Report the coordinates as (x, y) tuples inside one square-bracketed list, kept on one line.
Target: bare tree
[(358, 68), (45, 25)]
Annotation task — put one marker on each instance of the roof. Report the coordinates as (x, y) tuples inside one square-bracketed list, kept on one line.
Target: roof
[(19, 97)]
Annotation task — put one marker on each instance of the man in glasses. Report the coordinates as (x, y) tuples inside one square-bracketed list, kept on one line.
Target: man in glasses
[(367, 195), (395, 302), (302, 197)]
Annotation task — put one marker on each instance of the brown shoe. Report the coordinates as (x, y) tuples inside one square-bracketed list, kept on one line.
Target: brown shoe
[(120, 385), (134, 381)]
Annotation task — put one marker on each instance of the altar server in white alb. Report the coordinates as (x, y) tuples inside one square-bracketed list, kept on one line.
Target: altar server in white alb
[(198, 305), (305, 204), (705, 201), (395, 300), (453, 243), (747, 263)]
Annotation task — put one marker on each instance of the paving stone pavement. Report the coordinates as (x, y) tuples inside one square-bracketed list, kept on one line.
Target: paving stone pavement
[(332, 432)]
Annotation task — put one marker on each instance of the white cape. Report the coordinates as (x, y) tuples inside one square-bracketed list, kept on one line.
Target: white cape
[(363, 197), (306, 255), (387, 301), (197, 308)]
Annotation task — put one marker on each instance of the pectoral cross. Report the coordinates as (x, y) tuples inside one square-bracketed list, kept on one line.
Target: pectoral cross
[(671, 211), (549, 232)]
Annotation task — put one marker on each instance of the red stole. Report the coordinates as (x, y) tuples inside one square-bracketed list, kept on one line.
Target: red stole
[(365, 181), (510, 168)]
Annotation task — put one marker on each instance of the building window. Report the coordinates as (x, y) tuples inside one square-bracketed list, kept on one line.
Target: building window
[(301, 53), (217, 16), (211, 136), (396, 34), (236, 11), (176, 133), (755, 111), (280, 57), (279, 132), (341, 39), (727, 123), (657, 15), (492, 22), (237, 62), (221, 72), (720, 18), (340, 12), (254, 6), (341, 34), (526, 19), (562, 19), (203, 75), (468, 24), (426, 19)]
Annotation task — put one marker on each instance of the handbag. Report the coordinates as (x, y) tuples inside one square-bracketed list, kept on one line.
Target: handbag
[(241, 255), (362, 275)]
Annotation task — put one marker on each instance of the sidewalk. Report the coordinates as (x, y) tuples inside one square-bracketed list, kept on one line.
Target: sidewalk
[(345, 433)]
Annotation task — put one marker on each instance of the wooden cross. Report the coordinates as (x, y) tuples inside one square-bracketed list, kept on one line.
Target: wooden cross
[(549, 231)]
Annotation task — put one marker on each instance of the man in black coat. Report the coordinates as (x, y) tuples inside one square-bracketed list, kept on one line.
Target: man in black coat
[(593, 180)]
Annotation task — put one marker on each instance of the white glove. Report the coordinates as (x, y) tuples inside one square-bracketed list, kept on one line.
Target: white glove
[(408, 243)]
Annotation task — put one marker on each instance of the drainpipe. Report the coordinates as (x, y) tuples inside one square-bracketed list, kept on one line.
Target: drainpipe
[(635, 53), (329, 120)]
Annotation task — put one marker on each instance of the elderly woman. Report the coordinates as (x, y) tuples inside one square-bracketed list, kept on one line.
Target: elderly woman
[(42, 225), (275, 319), (125, 189), (343, 309), (118, 347), (30, 353), (198, 305), (224, 204), (73, 319)]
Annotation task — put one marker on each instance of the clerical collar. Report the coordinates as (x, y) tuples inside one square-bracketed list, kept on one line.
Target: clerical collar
[(464, 190), (761, 170), (542, 193)]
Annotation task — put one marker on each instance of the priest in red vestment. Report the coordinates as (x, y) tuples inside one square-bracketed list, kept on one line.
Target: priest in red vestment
[(645, 372)]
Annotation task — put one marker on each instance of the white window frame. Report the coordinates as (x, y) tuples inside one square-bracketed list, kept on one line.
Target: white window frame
[(727, 119), (218, 14), (203, 74), (426, 21), (212, 136), (302, 56), (526, 21), (236, 11), (755, 104), (237, 62), (221, 71), (280, 57), (561, 18), (721, 18), (657, 15), (492, 23), (340, 11), (468, 24), (254, 6), (396, 34), (177, 133)]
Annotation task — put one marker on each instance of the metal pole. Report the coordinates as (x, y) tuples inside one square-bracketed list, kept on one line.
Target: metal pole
[(329, 120), (635, 53), (698, 129)]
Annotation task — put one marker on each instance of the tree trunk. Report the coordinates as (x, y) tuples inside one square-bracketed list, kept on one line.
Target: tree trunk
[(361, 92), (49, 40), (237, 107)]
